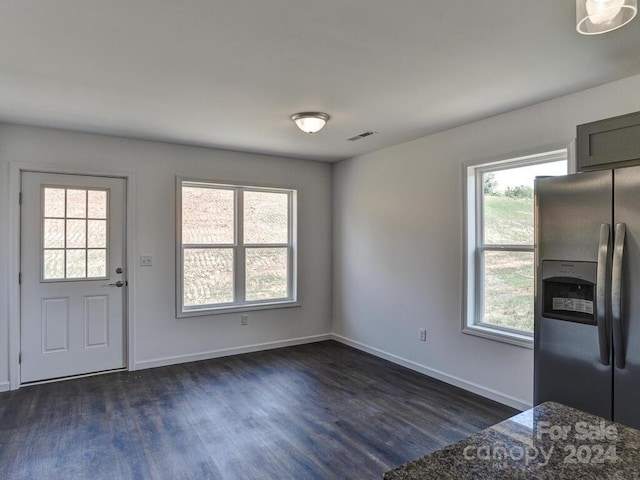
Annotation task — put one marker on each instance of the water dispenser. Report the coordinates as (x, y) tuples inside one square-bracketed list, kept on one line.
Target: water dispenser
[(568, 291)]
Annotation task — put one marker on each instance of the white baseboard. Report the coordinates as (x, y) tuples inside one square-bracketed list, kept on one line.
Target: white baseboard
[(437, 374), (225, 352), (5, 386)]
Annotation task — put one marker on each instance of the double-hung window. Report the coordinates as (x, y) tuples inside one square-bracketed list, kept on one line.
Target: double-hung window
[(500, 264), (236, 247)]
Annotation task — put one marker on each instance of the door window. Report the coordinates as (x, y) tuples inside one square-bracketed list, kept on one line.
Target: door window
[(74, 233)]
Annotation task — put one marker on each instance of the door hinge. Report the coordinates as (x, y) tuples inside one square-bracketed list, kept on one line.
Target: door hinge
[(20, 358), (20, 278), (20, 198)]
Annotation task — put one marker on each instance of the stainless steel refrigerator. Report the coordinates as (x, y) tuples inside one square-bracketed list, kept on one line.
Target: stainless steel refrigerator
[(587, 307)]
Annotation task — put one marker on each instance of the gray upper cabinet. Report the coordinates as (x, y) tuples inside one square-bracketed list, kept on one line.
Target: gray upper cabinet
[(610, 143)]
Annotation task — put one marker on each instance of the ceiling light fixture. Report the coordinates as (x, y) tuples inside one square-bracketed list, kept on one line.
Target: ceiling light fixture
[(310, 122), (601, 16)]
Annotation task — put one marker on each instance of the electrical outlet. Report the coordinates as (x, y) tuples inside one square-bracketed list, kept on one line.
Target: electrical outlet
[(423, 334), (146, 260), (244, 319)]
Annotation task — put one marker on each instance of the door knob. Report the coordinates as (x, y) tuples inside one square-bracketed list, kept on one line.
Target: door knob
[(118, 284)]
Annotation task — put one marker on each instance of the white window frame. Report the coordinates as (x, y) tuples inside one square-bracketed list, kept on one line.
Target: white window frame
[(473, 188), (240, 304), (107, 247)]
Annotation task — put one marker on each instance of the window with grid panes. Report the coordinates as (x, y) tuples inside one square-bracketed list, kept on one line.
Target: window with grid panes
[(499, 273), (237, 247)]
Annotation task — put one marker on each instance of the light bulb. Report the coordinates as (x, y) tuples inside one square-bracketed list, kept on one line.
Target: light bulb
[(310, 125), (600, 16), (603, 11), (310, 122)]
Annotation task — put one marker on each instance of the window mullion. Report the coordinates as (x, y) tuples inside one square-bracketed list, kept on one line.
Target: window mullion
[(480, 287), (266, 245), (290, 253), (65, 230), (479, 209), (208, 245), (86, 233), (506, 248), (239, 256), (479, 257)]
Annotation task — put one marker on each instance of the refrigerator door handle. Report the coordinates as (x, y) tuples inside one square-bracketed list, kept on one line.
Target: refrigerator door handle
[(616, 295), (601, 294)]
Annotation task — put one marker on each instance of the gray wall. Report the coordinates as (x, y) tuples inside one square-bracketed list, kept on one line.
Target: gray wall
[(159, 337), (398, 241)]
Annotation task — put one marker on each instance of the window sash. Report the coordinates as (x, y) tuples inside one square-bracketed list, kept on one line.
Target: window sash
[(480, 283), (476, 248), (482, 247), (239, 249)]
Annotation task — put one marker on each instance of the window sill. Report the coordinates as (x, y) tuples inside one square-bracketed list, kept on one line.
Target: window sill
[(238, 309), (504, 336)]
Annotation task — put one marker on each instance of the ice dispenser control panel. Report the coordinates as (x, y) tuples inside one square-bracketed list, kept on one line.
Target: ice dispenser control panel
[(568, 291)]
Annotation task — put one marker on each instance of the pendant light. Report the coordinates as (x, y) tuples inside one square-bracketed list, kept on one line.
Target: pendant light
[(310, 122), (600, 16)]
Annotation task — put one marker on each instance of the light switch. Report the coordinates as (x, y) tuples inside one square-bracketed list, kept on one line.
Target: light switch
[(146, 260)]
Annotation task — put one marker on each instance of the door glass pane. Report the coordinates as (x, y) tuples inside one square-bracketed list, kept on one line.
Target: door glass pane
[(54, 201), (266, 217), (76, 263), (54, 233), (208, 276), (97, 263), (53, 264), (508, 289), (76, 203), (97, 204), (97, 234), (266, 273), (76, 233), (508, 202), (207, 215)]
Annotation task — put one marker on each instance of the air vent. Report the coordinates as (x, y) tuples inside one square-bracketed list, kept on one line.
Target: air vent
[(362, 135)]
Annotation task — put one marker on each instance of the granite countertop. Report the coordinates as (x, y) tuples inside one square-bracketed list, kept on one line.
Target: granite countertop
[(550, 441)]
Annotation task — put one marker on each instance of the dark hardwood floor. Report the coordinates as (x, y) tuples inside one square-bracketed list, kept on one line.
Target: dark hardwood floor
[(318, 411)]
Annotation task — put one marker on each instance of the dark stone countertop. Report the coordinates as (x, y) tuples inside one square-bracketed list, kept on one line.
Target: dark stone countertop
[(550, 441)]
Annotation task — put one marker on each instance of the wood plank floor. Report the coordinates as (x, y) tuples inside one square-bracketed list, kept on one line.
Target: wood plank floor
[(318, 411)]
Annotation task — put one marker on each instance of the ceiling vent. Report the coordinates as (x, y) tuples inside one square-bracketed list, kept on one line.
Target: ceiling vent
[(362, 135)]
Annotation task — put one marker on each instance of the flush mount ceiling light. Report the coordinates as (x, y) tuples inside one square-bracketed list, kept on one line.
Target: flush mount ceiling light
[(602, 16), (310, 122)]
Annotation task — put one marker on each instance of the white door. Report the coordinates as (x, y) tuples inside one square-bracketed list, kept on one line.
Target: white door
[(73, 280)]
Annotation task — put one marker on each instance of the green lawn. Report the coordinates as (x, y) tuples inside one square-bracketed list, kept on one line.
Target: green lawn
[(509, 276), (508, 220)]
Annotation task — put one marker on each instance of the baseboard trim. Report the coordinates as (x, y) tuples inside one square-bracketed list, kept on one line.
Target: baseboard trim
[(225, 352), (437, 374), (5, 386)]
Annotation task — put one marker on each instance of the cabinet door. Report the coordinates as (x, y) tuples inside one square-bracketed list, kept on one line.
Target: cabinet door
[(609, 143)]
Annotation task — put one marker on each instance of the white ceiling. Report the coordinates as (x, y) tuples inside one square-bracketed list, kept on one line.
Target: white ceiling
[(230, 73)]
